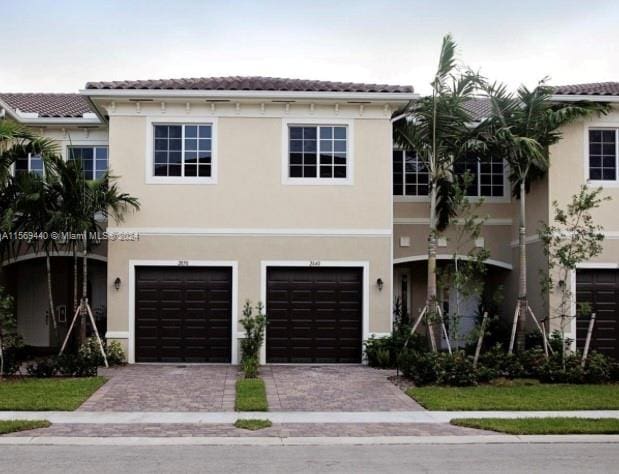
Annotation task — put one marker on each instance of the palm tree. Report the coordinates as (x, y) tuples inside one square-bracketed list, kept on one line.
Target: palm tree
[(438, 128), (35, 205), (86, 206), (521, 129), (24, 199)]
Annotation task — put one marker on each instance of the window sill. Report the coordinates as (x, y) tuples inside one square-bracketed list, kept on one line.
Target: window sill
[(603, 184), (317, 182), (179, 180), (486, 199)]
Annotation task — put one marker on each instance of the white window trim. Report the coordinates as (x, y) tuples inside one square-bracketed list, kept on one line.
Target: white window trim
[(350, 160), (233, 264), (94, 157), (601, 126), (505, 198), (13, 168), (364, 264), (149, 171)]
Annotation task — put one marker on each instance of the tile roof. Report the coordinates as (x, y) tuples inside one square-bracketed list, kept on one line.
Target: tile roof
[(254, 83), (48, 105), (478, 107), (594, 88)]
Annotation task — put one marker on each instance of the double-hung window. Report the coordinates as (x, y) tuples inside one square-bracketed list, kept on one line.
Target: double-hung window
[(33, 163), (93, 160), (487, 176), (183, 151), (603, 154), (411, 177), (319, 153)]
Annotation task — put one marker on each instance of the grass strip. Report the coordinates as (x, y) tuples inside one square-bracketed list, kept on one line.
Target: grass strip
[(253, 425), (12, 426), (63, 394), (542, 426), (518, 397), (251, 395)]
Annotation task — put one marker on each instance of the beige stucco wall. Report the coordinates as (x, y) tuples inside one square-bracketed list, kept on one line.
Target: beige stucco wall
[(249, 192), (249, 215), (249, 252)]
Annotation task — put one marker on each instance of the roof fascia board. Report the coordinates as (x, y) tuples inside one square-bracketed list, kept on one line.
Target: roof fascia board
[(584, 98), (181, 93)]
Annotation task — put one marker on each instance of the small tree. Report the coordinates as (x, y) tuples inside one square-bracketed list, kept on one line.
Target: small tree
[(254, 326), (573, 238)]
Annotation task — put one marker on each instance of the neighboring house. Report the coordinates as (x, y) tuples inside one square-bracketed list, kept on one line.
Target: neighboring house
[(80, 134), (289, 192)]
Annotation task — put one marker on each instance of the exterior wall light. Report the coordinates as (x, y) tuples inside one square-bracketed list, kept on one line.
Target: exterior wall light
[(117, 283), (380, 283)]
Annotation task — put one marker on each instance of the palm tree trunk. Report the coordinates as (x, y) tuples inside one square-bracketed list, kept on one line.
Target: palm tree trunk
[(522, 280), (50, 293), (75, 299), (431, 299), (84, 301)]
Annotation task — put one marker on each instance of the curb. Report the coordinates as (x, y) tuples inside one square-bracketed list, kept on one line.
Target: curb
[(305, 441), (288, 417)]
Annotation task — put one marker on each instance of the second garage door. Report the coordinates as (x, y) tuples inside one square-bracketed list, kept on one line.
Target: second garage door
[(183, 314), (315, 315), (599, 288)]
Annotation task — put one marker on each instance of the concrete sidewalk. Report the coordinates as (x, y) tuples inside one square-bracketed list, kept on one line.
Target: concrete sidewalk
[(309, 441), (425, 417)]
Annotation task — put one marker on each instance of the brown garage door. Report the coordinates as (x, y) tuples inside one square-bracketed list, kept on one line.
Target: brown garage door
[(600, 288), (315, 314), (183, 314)]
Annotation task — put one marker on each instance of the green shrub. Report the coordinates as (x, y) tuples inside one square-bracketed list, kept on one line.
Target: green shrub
[(254, 325), (71, 365), (456, 370), (426, 368), (250, 367), (598, 368), (42, 368), (384, 352), (113, 351)]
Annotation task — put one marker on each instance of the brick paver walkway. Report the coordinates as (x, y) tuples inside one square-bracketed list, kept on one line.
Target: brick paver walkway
[(333, 388), (165, 388), (286, 430)]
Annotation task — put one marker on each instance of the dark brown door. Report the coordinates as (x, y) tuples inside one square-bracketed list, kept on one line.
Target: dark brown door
[(599, 288), (315, 314), (183, 314)]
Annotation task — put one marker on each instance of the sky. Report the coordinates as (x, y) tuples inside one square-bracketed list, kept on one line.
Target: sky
[(59, 45)]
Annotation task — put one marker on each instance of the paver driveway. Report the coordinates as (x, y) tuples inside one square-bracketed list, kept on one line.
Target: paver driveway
[(165, 388), (333, 388)]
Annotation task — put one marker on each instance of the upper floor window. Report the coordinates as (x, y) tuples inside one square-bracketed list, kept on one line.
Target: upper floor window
[(93, 160), (411, 178), (603, 154), (183, 150), (318, 153), (33, 163)]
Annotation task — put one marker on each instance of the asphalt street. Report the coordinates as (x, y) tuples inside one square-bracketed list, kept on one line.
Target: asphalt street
[(478, 458)]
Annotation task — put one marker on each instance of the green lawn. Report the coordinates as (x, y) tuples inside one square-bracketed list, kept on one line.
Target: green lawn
[(519, 397), (543, 426), (11, 426), (253, 425), (47, 394), (251, 395)]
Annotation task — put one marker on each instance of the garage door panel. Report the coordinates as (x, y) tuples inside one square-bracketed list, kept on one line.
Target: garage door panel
[(599, 288), (315, 314), (183, 314)]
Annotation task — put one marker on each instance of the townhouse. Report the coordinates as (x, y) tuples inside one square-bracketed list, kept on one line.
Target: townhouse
[(291, 193)]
